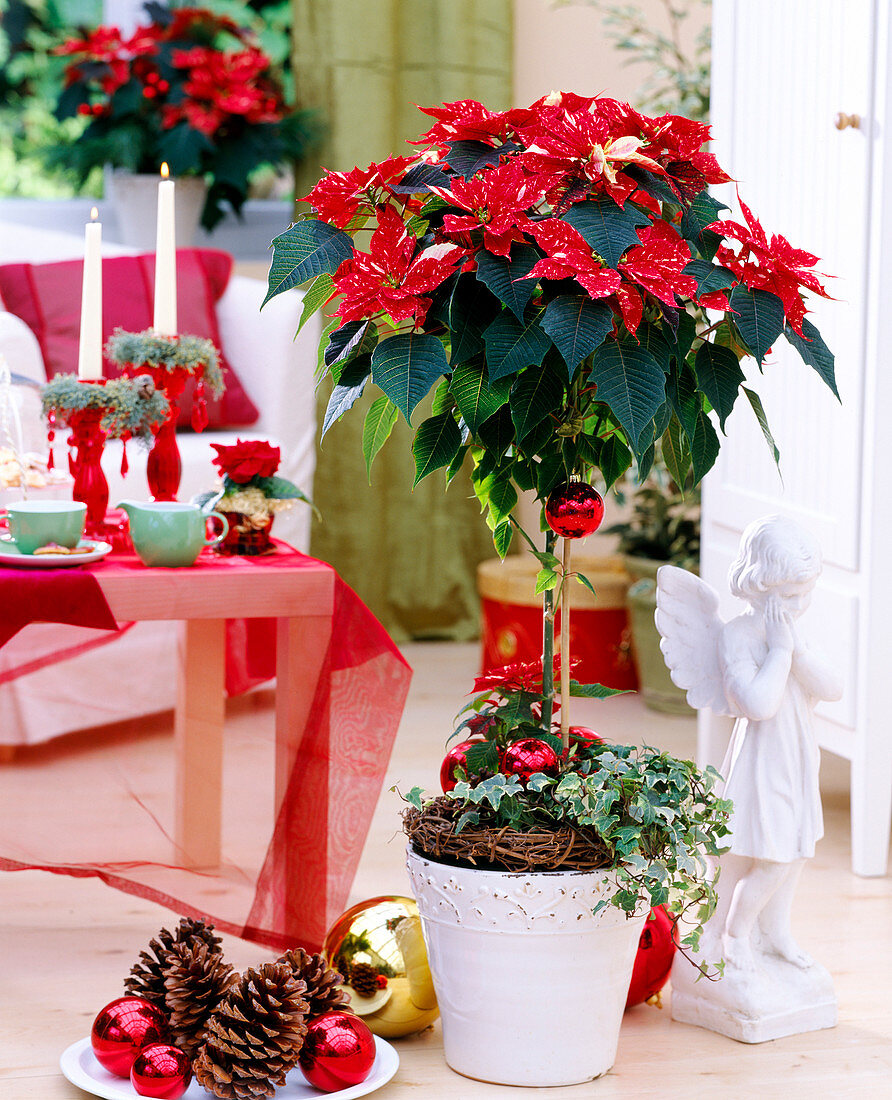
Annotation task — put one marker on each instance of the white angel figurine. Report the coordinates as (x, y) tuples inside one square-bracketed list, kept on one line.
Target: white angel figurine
[(757, 669)]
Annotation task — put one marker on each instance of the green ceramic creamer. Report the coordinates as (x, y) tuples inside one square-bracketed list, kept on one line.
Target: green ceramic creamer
[(168, 533)]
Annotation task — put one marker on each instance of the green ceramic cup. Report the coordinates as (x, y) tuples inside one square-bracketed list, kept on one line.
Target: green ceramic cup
[(34, 523)]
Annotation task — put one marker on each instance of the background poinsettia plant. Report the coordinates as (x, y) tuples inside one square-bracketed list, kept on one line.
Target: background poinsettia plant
[(188, 87), (560, 277)]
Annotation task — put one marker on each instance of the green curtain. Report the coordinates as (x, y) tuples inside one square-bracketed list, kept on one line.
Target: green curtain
[(363, 64)]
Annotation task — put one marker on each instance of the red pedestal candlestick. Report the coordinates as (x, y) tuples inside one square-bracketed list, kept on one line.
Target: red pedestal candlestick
[(164, 467), (90, 486)]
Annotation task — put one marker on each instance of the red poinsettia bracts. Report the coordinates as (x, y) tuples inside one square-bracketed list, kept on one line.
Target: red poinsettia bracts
[(570, 257), (518, 676), (658, 263), (339, 196), (498, 201), (387, 278), (772, 265), (466, 120)]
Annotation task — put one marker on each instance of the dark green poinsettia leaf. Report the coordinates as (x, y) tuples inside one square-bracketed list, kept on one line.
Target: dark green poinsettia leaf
[(719, 377), (676, 452), (182, 147), (710, 277), (70, 99), (315, 297), (348, 390), (512, 345), (577, 325), (656, 186), (681, 389), (631, 381), (594, 691), (305, 250), (501, 499), (615, 458), (497, 433), (482, 757), (351, 339), (470, 310), (468, 157), (505, 276), (607, 228), (502, 537), (534, 396), (704, 447), (759, 318), (684, 336), (814, 352), (379, 422), (703, 211), (646, 461), (476, 397), (406, 366), (657, 342), (436, 444), (756, 404), (550, 471), (419, 178)]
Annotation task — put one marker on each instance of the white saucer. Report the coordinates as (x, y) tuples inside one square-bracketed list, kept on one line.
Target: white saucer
[(79, 1065), (11, 555)]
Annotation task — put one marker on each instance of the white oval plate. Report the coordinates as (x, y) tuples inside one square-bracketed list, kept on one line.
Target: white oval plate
[(79, 1065), (10, 555)]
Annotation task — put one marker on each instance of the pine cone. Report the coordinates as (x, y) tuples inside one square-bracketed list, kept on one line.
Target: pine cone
[(364, 979), (254, 1036), (147, 975), (195, 980), (323, 984)]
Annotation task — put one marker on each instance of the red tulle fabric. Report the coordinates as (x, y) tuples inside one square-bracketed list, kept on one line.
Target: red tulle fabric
[(91, 805)]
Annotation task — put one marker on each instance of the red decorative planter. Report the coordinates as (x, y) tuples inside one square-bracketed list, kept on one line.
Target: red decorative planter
[(244, 540)]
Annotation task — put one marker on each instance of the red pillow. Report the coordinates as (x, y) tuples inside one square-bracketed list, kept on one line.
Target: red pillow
[(47, 297)]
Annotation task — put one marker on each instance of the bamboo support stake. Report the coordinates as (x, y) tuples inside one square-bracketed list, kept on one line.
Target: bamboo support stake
[(565, 646)]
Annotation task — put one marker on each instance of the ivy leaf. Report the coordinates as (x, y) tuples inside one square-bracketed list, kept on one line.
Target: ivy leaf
[(476, 397), (352, 338), (607, 228), (379, 422), (436, 444), (469, 817), (756, 403), (719, 377), (413, 797), (506, 276), (406, 366), (501, 537), (704, 447), (814, 352), (348, 390), (471, 308), (534, 395), (759, 320), (512, 345), (315, 297), (304, 250), (614, 459), (631, 381), (577, 325)]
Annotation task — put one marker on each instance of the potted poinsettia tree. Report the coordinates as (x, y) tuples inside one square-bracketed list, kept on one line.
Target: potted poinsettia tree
[(560, 278)]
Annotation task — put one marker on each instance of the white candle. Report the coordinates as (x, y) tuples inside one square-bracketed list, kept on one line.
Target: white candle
[(166, 259), (89, 359)]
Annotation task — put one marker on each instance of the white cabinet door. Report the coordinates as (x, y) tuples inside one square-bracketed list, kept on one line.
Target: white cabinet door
[(782, 72)]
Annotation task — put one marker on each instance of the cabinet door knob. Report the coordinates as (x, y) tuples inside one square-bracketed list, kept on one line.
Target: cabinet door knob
[(844, 121)]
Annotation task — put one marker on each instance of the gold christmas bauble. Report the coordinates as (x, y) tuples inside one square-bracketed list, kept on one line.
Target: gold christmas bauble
[(384, 934)]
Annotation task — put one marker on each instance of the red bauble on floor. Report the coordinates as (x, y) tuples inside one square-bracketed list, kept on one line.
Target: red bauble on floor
[(122, 1028), (653, 963), (338, 1051), (526, 757), (574, 509), (162, 1071)]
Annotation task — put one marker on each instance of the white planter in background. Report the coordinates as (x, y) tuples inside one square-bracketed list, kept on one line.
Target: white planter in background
[(531, 986), (135, 200)]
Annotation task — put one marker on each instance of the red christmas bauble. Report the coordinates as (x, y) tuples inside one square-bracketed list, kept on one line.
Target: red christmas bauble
[(656, 950), (455, 758), (122, 1028), (525, 757), (338, 1051), (574, 509), (162, 1071), (583, 733)]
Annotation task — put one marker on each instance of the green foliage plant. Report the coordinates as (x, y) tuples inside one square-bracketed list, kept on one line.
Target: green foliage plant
[(559, 278)]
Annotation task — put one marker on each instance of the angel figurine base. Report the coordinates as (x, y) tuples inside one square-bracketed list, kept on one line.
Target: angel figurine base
[(758, 669)]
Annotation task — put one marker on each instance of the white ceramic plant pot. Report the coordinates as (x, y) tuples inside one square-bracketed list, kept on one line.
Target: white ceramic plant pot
[(531, 986), (135, 200)]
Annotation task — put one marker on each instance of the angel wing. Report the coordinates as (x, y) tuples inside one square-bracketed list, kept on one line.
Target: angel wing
[(687, 618)]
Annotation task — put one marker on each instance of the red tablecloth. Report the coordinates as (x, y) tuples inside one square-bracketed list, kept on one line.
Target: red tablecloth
[(87, 806)]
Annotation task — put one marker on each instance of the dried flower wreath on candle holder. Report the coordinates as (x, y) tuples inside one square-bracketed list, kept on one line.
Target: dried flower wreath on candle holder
[(116, 408), (169, 361)]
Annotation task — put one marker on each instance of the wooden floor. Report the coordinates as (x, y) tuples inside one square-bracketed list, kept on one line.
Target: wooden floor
[(65, 944)]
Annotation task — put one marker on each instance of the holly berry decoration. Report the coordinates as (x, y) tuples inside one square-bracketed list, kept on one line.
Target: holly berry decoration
[(338, 1051), (122, 1029), (457, 757), (574, 509), (162, 1071), (526, 757), (653, 962)]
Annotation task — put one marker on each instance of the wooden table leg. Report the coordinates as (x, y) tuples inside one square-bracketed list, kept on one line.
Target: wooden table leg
[(198, 729)]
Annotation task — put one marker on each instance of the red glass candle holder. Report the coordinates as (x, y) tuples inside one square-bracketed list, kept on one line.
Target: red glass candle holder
[(90, 487), (164, 467)]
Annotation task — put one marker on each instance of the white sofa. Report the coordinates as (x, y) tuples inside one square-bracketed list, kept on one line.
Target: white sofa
[(277, 372)]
